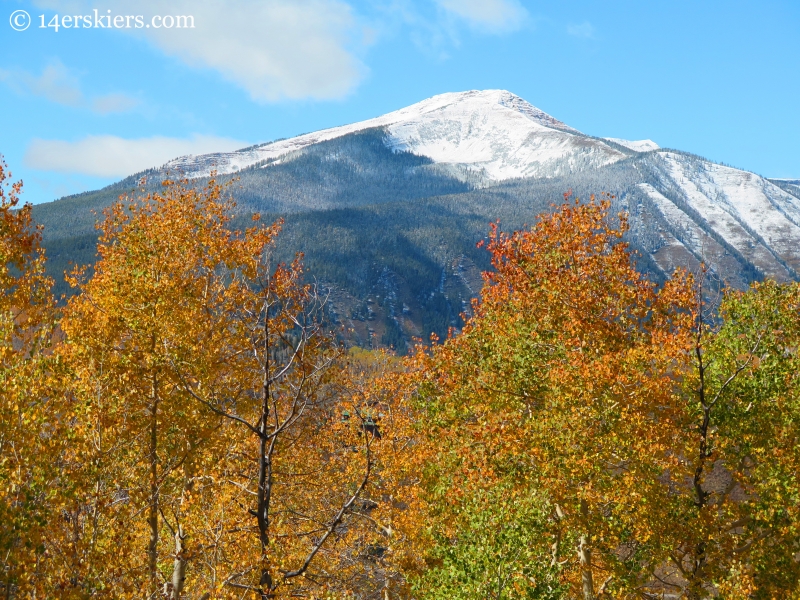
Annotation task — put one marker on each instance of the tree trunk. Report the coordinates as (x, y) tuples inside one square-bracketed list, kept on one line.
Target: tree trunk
[(179, 566), (585, 555), (696, 579), (152, 519), (556, 547), (266, 447)]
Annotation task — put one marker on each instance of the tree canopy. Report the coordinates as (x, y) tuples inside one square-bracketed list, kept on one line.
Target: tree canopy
[(189, 424)]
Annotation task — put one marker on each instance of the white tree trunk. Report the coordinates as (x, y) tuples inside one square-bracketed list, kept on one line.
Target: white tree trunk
[(585, 555), (179, 566)]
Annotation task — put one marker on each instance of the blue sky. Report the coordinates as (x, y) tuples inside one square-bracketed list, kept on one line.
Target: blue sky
[(84, 107)]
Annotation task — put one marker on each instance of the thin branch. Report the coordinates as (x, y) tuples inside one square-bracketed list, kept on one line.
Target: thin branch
[(738, 370), (337, 519), (221, 413)]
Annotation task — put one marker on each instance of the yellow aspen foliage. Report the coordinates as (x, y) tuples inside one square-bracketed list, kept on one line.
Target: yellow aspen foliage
[(736, 527), (158, 295), (28, 419), (190, 426), (222, 445)]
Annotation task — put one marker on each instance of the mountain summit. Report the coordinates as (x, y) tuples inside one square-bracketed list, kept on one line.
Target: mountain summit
[(485, 138), (491, 133)]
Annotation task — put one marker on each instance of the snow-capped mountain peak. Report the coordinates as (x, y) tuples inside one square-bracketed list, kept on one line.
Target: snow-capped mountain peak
[(456, 150), (492, 132), (687, 210)]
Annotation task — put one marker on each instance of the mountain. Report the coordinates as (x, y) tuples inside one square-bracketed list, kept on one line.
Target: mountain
[(494, 134), (388, 210)]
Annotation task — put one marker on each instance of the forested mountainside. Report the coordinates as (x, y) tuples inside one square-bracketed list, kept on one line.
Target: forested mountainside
[(388, 212)]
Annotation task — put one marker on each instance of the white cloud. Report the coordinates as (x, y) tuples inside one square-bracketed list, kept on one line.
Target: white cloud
[(55, 83), (59, 85), (584, 30), (111, 156), (495, 16), (113, 103), (272, 48)]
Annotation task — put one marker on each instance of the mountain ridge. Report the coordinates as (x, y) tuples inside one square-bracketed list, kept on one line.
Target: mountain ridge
[(390, 209), (461, 128)]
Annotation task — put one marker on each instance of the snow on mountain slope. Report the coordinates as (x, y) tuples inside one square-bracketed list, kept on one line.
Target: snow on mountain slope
[(636, 146), (493, 132), (754, 216), (743, 224)]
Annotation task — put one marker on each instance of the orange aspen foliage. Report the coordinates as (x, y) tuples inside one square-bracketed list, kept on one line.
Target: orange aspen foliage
[(196, 430), (565, 382)]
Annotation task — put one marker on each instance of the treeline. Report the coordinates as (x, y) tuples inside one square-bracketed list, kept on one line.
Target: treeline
[(188, 427)]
